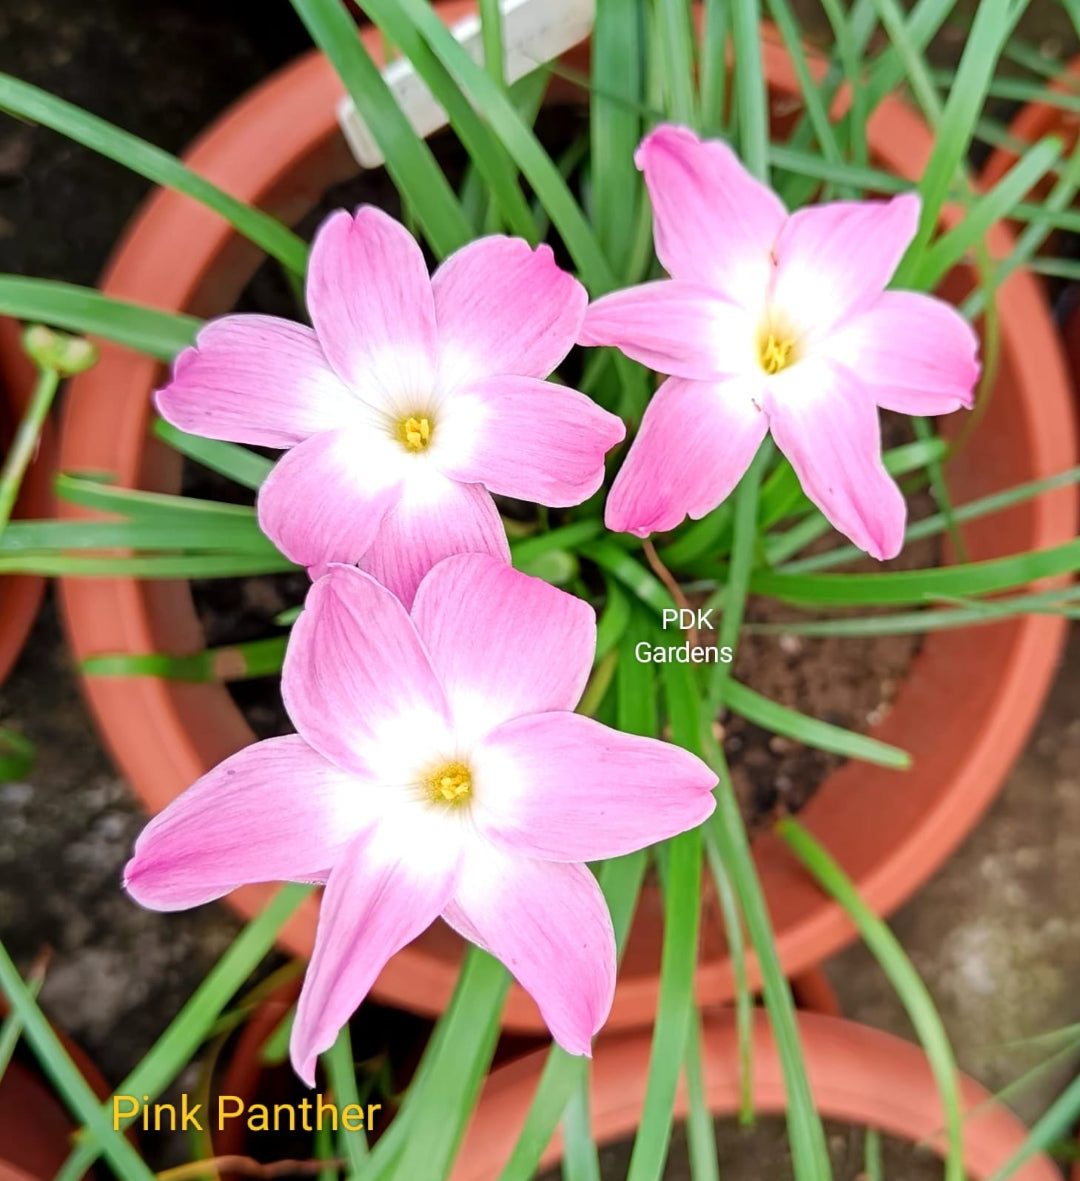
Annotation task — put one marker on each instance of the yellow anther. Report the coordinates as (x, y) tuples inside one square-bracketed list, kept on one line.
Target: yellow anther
[(450, 784), (415, 432), (776, 353)]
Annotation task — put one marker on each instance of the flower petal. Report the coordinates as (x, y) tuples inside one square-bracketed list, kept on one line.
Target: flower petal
[(357, 682), (696, 440), (834, 260), (530, 439), (255, 379), (435, 518), (504, 308), (549, 924), (385, 891), (369, 295), (565, 788), (274, 811), (713, 222), (915, 353), (675, 326), (502, 643), (325, 499), (826, 423)]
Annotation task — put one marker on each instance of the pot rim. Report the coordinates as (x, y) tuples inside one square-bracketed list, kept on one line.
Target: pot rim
[(857, 1074), (167, 253)]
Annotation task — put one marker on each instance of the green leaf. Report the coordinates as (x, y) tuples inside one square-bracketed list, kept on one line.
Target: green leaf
[(580, 1160), (751, 97), (234, 662), (520, 141), (921, 622), (824, 736), (16, 755), (615, 127), (230, 565), (700, 1130), (916, 586), (935, 524), (985, 211), (675, 36), (240, 464), (809, 1152), (39, 106), (409, 160), (161, 507), (65, 1075), (990, 30), (80, 309), (440, 1100), (341, 1072), (896, 965), (232, 535), (485, 151)]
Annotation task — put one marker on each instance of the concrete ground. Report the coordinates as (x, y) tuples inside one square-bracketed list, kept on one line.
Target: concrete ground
[(996, 934)]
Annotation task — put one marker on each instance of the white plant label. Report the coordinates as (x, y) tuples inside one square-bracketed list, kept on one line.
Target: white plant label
[(534, 32)]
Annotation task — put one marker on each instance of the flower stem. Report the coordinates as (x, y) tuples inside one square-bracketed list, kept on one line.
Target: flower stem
[(25, 443)]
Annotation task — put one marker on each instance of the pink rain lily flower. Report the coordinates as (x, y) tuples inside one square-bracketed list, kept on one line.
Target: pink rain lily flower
[(412, 400), (438, 771), (774, 321)]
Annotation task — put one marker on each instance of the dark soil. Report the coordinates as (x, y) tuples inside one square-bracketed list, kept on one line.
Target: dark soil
[(850, 681)]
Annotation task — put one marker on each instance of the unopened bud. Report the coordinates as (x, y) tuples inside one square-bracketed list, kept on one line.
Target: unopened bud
[(64, 354)]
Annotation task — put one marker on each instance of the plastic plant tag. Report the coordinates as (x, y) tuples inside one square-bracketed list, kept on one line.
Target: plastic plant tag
[(534, 32)]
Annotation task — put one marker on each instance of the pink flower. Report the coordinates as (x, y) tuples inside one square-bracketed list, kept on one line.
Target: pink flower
[(777, 322), (437, 770), (413, 399)]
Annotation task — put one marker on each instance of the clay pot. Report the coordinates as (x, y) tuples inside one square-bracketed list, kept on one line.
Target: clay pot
[(20, 596), (964, 713), (858, 1075)]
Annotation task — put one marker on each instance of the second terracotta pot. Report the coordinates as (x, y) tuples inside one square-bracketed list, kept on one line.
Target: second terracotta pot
[(858, 1076), (964, 713)]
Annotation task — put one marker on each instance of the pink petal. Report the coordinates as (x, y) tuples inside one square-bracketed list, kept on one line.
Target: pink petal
[(502, 643), (255, 379), (713, 222), (435, 518), (915, 354), (835, 260), (369, 295), (275, 811), (549, 924), (357, 682), (565, 788), (826, 423), (526, 438), (325, 499), (504, 308), (696, 440), (675, 327), (380, 896)]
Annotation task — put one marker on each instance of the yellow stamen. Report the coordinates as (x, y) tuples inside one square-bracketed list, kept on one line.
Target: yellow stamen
[(415, 432), (776, 353), (450, 784)]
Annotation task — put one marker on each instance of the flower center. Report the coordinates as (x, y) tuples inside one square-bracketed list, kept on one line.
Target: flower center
[(414, 432), (775, 352), (450, 784)]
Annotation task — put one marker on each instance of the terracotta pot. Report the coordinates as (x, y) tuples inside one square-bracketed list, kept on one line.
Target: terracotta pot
[(858, 1075), (20, 596), (964, 713)]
